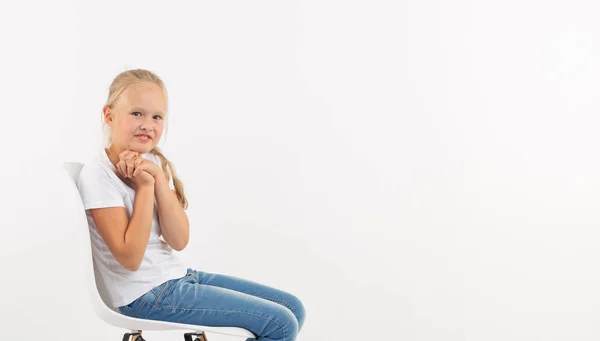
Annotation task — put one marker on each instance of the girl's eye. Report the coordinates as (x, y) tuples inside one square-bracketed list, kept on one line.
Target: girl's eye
[(155, 116)]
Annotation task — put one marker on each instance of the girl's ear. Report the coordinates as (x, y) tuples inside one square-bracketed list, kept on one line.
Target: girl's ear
[(107, 115)]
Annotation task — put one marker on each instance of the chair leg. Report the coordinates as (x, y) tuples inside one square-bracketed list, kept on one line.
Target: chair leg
[(190, 336), (136, 336)]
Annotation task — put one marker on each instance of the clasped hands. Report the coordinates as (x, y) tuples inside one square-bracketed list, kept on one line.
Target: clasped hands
[(134, 169)]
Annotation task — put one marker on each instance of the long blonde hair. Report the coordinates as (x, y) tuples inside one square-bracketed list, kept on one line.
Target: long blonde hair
[(116, 89)]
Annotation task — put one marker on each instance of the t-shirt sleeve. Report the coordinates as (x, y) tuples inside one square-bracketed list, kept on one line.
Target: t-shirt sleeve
[(97, 190)]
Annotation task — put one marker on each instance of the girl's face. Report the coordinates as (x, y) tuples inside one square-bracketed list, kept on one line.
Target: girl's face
[(137, 120)]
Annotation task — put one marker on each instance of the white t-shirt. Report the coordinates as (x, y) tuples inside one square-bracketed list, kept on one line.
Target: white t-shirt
[(99, 186)]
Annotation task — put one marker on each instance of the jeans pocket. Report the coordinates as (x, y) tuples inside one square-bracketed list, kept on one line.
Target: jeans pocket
[(132, 309), (172, 296), (126, 310)]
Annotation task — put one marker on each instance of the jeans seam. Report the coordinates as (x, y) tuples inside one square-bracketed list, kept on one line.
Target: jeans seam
[(162, 292), (137, 312), (283, 303), (158, 296), (166, 293), (168, 303)]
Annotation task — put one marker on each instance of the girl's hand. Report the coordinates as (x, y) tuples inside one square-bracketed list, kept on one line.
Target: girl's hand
[(130, 161), (126, 164), (141, 177)]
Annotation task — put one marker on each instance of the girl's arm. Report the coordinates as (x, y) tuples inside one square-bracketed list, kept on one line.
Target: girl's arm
[(127, 238), (174, 223)]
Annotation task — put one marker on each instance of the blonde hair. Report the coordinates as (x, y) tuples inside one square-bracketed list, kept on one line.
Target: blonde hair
[(116, 89)]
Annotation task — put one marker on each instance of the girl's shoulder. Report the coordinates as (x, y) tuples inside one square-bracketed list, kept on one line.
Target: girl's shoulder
[(97, 166), (98, 170)]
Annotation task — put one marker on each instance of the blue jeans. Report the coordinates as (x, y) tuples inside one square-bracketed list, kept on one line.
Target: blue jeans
[(208, 299)]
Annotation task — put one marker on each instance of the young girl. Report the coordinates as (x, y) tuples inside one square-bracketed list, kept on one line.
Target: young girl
[(135, 209)]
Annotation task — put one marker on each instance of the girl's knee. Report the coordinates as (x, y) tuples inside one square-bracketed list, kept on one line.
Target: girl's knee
[(291, 323), (298, 309), (284, 325)]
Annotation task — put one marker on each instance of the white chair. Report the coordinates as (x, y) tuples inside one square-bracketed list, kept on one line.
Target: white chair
[(111, 315)]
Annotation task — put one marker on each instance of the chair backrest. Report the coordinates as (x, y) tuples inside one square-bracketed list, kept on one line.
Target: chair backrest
[(96, 287)]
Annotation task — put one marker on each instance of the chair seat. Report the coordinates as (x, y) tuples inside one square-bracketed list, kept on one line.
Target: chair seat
[(122, 321)]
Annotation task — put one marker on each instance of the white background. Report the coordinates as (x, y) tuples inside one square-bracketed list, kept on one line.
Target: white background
[(412, 170)]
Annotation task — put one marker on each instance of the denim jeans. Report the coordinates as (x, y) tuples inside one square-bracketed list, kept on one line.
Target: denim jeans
[(209, 299)]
